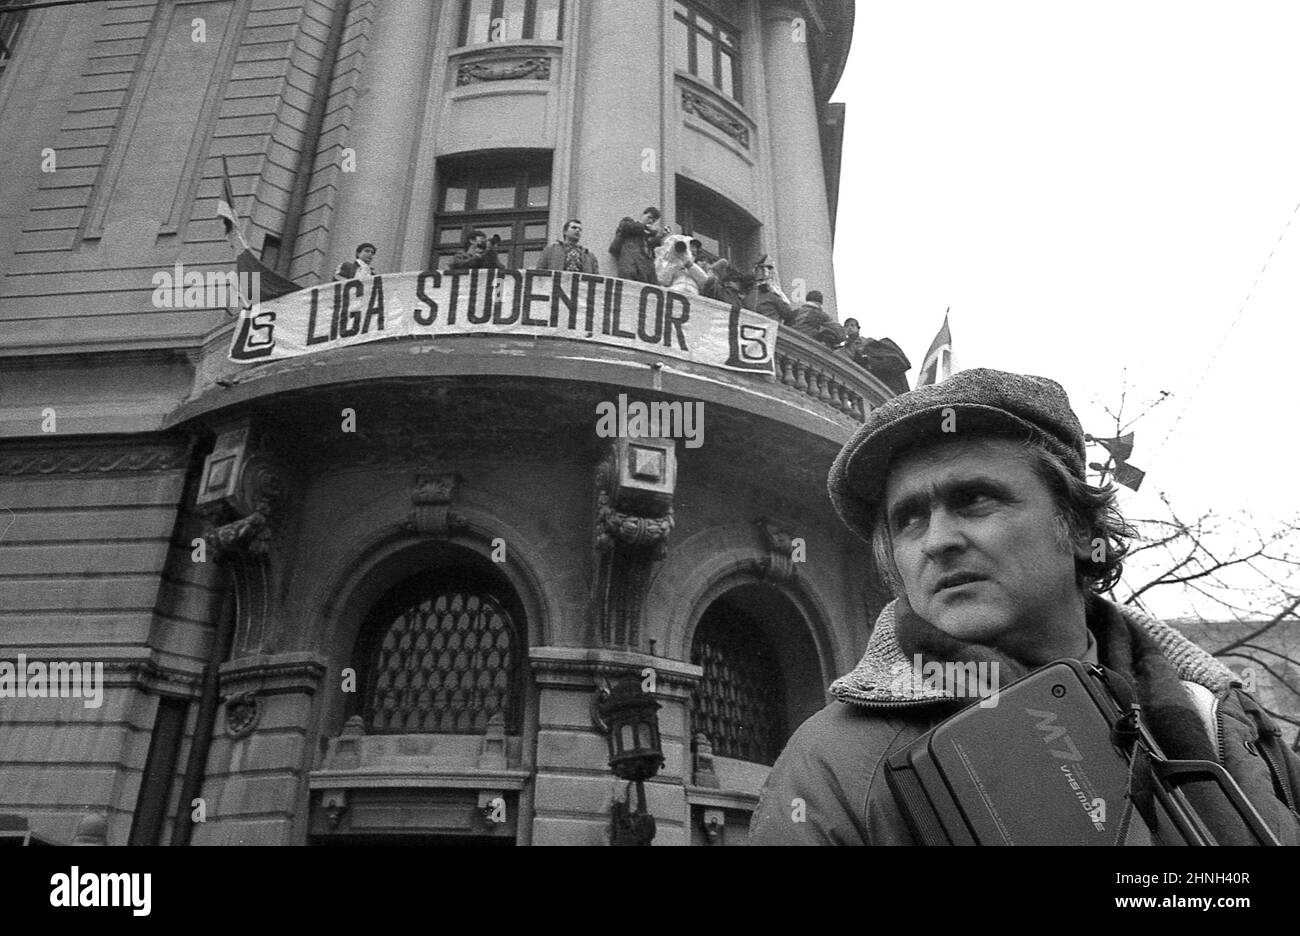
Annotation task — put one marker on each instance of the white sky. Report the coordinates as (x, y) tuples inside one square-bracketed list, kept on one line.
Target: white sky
[(1093, 188)]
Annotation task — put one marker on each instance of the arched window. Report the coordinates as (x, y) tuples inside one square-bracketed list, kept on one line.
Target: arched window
[(442, 654), (740, 703)]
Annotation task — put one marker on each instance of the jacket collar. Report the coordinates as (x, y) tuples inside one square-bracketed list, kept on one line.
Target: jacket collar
[(884, 674)]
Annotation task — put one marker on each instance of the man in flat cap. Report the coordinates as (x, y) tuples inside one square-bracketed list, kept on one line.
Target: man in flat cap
[(973, 496)]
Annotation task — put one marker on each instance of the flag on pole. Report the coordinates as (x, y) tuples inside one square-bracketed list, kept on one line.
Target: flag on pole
[(266, 283), (1120, 448), (1128, 475), (937, 365)]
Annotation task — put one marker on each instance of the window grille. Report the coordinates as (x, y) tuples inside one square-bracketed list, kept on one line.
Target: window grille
[(445, 664), (739, 703)]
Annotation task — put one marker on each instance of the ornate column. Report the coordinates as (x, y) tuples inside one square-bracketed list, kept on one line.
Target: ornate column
[(801, 228), (372, 203)]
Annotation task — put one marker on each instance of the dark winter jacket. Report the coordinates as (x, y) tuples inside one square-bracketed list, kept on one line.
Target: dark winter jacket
[(552, 258), (766, 301), (813, 321), (632, 249), (1191, 701), (884, 359)]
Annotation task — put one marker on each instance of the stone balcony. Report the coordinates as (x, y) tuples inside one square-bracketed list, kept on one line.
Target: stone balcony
[(809, 388)]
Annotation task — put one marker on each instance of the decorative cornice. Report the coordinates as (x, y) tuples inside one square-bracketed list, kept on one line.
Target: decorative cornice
[(268, 675), (586, 667), (96, 460), (696, 103), (503, 70)]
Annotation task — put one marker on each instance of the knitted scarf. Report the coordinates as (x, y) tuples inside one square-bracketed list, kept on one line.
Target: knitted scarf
[(1121, 646)]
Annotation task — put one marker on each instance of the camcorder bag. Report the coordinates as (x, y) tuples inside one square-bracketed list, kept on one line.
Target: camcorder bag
[(1055, 759)]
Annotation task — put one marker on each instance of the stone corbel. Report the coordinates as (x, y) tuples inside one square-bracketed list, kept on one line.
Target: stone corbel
[(431, 500), (634, 517), (778, 565), (241, 492)]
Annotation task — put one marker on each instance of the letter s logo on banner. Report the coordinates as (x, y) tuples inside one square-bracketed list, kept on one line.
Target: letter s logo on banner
[(751, 344), (256, 337)]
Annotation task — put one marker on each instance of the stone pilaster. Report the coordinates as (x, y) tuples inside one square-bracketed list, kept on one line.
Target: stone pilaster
[(801, 229), (373, 202), (255, 790), (575, 789), (619, 118)]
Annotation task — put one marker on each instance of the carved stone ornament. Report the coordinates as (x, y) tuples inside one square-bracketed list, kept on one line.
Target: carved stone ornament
[(243, 711), (711, 113), (431, 498), (778, 564), (96, 460), (243, 521), (503, 70), (634, 517)]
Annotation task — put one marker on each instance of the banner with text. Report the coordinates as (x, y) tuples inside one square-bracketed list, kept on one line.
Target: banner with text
[(506, 302)]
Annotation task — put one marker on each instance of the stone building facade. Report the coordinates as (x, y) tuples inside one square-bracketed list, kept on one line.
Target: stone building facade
[(421, 561)]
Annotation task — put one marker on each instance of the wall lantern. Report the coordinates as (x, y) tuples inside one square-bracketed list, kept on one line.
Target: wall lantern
[(630, 719)]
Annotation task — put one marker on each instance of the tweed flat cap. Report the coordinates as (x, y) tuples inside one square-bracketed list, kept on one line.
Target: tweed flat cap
[(983, 401)]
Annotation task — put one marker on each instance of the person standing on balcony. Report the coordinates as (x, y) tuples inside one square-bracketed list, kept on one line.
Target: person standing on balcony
[(359, 268), (766, 297), (633, 246), (853, 343), (478, 253), (567, 254), (728, 284), (812, 320)]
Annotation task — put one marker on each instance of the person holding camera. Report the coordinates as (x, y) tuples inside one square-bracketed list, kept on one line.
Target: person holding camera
[(634, 244), (765, 296), (973, 495), (480, 253)]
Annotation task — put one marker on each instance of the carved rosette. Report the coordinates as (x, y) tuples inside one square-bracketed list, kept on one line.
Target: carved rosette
[(243, 711), (431, 499), (504, 70), (711, 113), (778, 565)]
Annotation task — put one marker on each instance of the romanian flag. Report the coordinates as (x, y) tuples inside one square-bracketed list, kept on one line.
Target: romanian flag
[(249, 266), (937, 365)]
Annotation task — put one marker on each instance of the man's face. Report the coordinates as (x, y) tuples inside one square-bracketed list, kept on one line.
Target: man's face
[(852, 329), (573, 232), (976, 542), (649, 220), (367, 254), (478, 246), (764, 271)]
